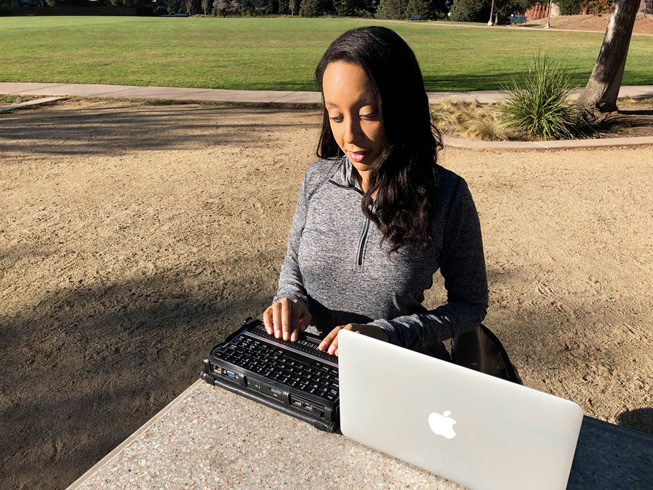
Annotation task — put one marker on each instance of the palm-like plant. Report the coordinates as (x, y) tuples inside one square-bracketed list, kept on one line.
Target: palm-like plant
[(538, 103)]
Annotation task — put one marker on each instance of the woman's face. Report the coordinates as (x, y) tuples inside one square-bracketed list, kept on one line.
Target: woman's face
[(353, 114)]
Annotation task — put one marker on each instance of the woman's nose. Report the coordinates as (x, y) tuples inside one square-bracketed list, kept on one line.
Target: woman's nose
[(353, 132)]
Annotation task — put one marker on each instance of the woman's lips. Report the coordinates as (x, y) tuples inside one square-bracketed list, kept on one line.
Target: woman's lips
[(357, 156)]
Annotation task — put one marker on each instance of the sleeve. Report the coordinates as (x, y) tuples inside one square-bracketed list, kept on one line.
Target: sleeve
[(291, 284), (462, 265)]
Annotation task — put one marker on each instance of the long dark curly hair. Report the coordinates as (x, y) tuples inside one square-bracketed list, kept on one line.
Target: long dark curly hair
[(404, 177)]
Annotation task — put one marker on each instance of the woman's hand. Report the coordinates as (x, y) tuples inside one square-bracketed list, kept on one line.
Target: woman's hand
[(330, 342), (286, 319)]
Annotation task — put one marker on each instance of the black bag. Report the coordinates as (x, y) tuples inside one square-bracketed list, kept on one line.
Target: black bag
[(482, 351)]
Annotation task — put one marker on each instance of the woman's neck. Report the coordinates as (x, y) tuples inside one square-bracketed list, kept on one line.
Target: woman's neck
[(363, 179)]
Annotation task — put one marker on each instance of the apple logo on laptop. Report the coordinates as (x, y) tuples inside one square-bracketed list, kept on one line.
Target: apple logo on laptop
[(442, 425)]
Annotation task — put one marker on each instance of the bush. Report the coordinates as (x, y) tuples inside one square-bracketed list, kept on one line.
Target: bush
[(537, 103), (596, 6), (470, 10), (569, 7), (423, 8), (344, 7), (310, 8), (470, 120), (392, 9)]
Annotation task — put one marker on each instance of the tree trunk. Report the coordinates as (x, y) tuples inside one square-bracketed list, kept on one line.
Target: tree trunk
[(603, 86)]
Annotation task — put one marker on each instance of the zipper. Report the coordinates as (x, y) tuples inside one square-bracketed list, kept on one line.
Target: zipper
[(366, 225), (361, 242)]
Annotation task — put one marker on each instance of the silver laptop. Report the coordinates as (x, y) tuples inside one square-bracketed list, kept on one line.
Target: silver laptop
[(471, 428)]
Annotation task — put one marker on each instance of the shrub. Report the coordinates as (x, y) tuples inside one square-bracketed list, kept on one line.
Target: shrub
[(344, 7), (419, 7), (596, 6), (392, 9), (310, 8), (569, 7), (470, 120), (293, 7), (470, 10), (538, 103)]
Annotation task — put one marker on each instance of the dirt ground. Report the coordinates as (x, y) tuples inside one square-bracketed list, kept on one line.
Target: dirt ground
[(134, 237), (594, 22)]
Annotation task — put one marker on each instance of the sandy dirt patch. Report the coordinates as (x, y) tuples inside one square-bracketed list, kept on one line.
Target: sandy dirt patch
[(594, 22), (134, 237)]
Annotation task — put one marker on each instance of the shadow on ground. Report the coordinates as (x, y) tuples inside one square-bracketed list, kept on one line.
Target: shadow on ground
[(110, 129), (131, 347)]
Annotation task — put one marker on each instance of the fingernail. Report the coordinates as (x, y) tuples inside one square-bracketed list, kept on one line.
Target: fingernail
[(331, 350), (321, 346), (277, 333)]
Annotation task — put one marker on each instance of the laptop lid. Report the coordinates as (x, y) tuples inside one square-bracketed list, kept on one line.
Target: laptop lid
[(471, 428)]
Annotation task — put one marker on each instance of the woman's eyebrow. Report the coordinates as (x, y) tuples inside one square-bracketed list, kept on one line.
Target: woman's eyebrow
[(363, 99)]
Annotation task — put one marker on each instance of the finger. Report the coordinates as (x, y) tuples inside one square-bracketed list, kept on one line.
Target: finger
[(285, 319), (304, 322), (276, 315), (333, 348), (267, 320), (295, 319), (326, 341)]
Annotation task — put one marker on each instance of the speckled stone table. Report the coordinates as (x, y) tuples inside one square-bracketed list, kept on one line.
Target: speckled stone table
[(209, 438)]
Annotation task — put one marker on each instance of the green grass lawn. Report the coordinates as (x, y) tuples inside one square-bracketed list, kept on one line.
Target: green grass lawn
[(277, 53)]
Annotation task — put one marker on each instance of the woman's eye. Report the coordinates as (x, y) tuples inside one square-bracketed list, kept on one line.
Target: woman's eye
[(369, 115), (335, 118)]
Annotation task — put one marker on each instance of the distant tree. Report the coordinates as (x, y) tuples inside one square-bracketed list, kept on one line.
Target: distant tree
[(192, 7), (427, 9), (418, 7), (471, 10), (236, 6), (505, 8), (602, 89), (442, 7), (310, 8), (294, 6), (344, 7), (259, 7), (568, 7), (392, 9), (174, 6), (125, 3), (221, 7), (595, 7), (283, 7), (479, 10)]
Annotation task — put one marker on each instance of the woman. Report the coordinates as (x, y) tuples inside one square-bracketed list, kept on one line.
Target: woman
[(377, 217)]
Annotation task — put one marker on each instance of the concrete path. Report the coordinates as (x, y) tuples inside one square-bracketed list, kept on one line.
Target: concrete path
[(243, 96), (265, 97)]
